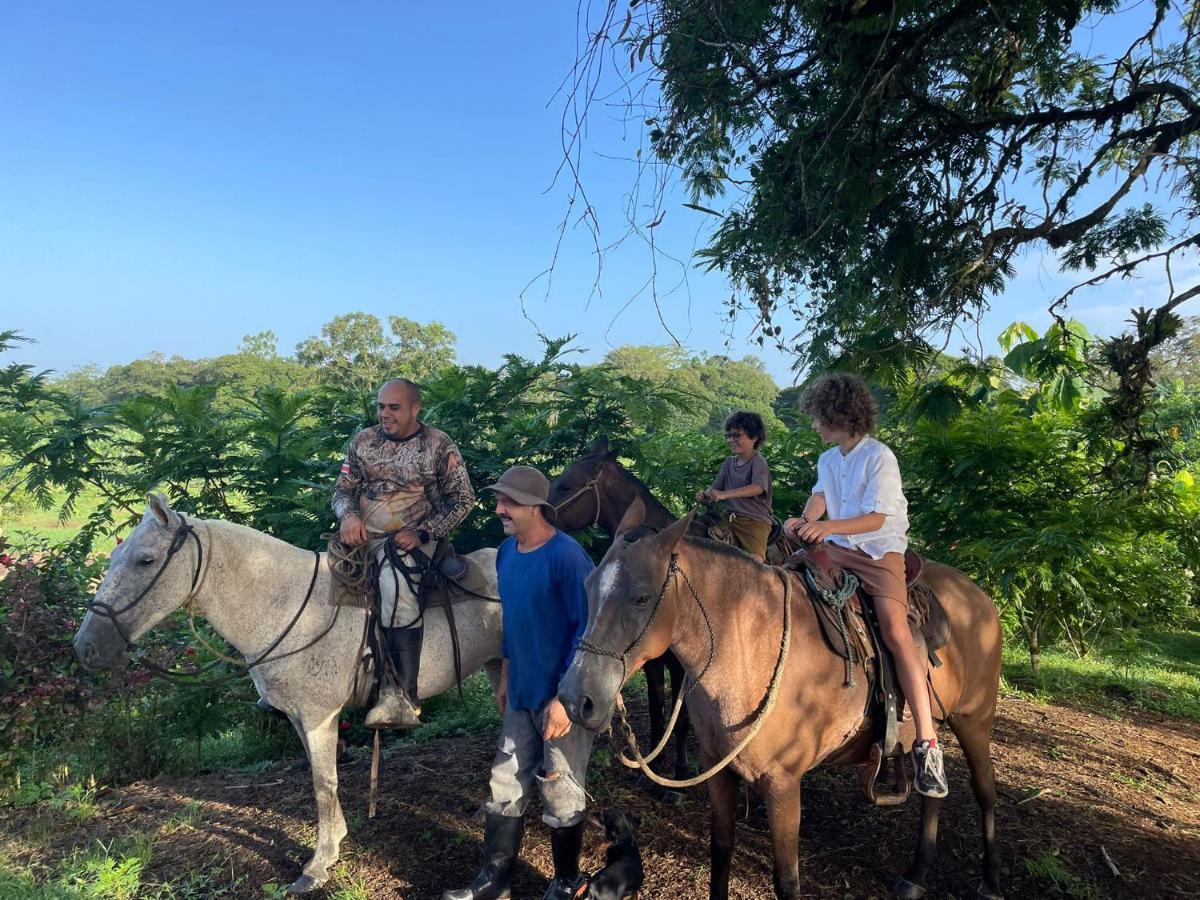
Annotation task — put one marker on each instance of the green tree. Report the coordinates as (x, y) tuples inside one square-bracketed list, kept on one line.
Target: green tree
[(1179, 358), (877, 167), (354, 350)]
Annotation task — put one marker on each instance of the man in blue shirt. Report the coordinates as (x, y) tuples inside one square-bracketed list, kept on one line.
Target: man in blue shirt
[(541, 575)]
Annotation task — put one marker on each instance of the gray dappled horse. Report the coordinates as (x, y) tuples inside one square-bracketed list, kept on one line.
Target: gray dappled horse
[(271, 601)]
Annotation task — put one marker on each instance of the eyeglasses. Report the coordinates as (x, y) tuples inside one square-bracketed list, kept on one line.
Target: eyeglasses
[(734, 435)]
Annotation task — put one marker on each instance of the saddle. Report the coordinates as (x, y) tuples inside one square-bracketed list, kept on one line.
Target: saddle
[(851, 630)]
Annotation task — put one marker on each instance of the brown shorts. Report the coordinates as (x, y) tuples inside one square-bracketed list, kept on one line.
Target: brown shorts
[(879, 577), (750, 534)]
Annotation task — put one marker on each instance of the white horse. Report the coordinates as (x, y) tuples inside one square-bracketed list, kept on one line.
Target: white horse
[(270, 600)]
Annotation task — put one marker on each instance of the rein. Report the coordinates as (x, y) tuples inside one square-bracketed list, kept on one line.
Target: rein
[(643, 762), (182, 534)]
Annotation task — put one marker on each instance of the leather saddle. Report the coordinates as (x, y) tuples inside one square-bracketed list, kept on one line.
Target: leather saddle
[(850, 629)]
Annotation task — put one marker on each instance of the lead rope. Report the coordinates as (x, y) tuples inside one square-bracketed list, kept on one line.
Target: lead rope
[(640, 762)]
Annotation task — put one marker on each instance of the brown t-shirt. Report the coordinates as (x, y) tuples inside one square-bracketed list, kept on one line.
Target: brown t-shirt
[(737, 474)]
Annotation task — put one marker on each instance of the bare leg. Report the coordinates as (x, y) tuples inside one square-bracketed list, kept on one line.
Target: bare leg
[(783, 810), (722, 794), (893, 622), (320, 742)]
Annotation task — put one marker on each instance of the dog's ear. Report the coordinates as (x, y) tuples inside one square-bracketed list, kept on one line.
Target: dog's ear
[(635, 820)]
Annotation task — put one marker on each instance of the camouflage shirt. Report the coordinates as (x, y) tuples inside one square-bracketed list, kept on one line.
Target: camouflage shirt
[(426, 467)]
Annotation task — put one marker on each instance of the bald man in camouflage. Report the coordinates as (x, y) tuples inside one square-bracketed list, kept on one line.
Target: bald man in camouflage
[(408, 477)]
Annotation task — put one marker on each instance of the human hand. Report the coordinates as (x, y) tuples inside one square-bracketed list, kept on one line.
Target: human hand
[(702, 496), (816, 532), (407, 540), (556, 724), (352, 530)]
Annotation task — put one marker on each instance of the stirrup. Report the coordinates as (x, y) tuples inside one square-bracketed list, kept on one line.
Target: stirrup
[(393, 709)]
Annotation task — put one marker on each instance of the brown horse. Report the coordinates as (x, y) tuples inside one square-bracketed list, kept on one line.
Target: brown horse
[(724, 615), (596, 490)]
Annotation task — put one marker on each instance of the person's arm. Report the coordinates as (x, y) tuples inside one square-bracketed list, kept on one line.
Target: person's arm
[(813, 510), (346, 491), (750, 490), (573, 570), (502, 686), (710, 492), (457, 494)]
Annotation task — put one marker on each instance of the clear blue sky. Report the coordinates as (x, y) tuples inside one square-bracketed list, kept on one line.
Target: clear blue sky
[(174, 176)]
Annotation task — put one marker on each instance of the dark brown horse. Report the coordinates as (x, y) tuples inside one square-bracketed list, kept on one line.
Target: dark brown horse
[(596, 490), (724, 615)]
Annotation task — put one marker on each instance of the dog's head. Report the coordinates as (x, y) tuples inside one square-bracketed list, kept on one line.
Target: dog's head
[(618, 827)]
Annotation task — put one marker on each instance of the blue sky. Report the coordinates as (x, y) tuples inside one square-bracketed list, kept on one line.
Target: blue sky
[(175, 176)]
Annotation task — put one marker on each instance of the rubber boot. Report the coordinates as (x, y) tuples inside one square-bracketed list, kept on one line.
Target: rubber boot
[(565, 844), (394, 707), (501, 841)]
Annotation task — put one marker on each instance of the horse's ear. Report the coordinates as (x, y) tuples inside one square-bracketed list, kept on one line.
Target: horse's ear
[(599, 446), (672, 534), (161, 510), (635, 515)]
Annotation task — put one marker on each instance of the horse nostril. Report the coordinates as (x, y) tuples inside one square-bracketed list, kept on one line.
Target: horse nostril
[(586, 708)]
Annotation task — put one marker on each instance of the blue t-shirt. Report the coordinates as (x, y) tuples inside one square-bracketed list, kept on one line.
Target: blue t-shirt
[(545, 614)]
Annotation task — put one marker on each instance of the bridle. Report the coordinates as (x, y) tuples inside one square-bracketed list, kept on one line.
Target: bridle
[(186, 531), (638, 761), (622, 657), (183, 533), (593, 485)]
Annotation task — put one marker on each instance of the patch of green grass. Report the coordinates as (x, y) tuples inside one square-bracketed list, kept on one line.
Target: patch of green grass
[(1048, 869), (1164, 676), (448, 716), (111, 871), (349, 887), (46, 523)]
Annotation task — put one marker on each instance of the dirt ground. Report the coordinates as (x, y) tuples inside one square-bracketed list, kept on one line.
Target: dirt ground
[(1103, 807)]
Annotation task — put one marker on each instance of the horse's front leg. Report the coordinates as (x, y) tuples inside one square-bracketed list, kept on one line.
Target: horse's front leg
[(782, 797), (320, 742), (722, 794)]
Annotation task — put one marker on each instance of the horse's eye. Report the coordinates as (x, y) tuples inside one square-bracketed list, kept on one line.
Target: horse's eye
[(641, 600), (146, 561)]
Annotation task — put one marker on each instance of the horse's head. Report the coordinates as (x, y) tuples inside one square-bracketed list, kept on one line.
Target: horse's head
[(631, 617), (144, 583), (574, 494)]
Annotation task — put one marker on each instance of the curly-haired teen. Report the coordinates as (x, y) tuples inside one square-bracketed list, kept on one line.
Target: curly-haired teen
[(744, 483), (859, 488)]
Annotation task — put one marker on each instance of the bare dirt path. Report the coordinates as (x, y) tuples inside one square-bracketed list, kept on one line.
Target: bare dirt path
[(1077, 787)]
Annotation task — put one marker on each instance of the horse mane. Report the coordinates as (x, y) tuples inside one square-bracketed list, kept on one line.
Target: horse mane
[(633, 535), (718, 547)]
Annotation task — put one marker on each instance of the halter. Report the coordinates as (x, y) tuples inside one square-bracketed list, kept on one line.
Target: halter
[(673, 569), (181, 536), (185, 531), (593, 485), (638, 761)]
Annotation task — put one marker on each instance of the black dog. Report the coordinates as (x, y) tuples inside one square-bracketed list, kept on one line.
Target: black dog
[(621, 876)]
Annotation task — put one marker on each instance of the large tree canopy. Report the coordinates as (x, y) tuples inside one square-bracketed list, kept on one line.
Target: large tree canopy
[(877, 165)]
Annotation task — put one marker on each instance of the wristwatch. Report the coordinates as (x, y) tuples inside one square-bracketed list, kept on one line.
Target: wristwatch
[(423, 535)]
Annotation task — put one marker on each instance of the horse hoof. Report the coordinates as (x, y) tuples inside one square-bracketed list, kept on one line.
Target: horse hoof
[(988, 893), (304, 884), (907, 890)]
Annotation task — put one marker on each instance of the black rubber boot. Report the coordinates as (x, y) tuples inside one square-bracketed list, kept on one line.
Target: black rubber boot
[(565, 844), (405, 646), (501, 841)]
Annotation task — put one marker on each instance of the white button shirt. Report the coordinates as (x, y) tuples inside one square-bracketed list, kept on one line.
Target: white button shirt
[(865, 480)]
